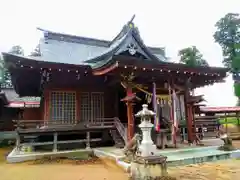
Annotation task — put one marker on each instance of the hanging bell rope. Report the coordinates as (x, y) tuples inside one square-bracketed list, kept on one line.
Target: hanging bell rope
[(160, 96)]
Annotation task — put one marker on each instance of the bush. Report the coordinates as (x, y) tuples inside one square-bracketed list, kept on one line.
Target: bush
[(226, 148), (6, 143), (229, 120)]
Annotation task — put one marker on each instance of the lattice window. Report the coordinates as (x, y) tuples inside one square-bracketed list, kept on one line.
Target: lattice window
[(85, 108), (63, 105), (97, 106), (91, 106)]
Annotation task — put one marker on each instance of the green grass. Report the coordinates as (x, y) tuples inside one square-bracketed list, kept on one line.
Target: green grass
[(229, 120), (77, 155)]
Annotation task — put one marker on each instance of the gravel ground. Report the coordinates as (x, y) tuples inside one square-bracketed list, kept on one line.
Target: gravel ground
[(107, 170), (221, 170), (101, 170)]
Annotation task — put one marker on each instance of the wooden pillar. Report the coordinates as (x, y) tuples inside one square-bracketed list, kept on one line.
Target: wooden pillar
[(194, 122), (116, 104), (184, 133), (18, 141), (190, 123), (88, 140), (130, 129), (47, 101), (189, 117), (55, 142), (226, 122)]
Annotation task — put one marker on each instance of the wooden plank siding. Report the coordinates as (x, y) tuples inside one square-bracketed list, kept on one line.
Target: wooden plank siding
[(110, 103), (32, 113)]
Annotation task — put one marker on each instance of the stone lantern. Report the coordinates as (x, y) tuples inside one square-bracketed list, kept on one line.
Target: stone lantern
[(147, 147), (148, 164)]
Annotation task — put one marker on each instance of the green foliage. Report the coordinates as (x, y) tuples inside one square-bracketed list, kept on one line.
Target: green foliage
[(1, 70), (238, 102), (78, 157), (228, 37), (191, 56), (36, 52), (6, 143), (237, 89), (5, 76), (18, 50), (229, 120), (5, 80), (226, 147)]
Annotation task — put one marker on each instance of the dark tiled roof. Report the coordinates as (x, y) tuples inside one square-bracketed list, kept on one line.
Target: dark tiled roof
[(129, 42), (50, 35), (65, 48)]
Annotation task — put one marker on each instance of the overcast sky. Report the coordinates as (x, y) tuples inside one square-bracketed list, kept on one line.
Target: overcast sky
[(173, 24)]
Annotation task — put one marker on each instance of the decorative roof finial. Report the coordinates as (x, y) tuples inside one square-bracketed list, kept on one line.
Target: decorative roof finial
[(132, 19), (130, 23)]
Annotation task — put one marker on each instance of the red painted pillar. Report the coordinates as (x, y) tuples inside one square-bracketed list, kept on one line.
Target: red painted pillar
[(190, 123), (194, 122), (130, 117)]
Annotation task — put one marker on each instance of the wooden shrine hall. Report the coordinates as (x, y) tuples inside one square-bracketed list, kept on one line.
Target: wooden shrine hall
[(102, 84)]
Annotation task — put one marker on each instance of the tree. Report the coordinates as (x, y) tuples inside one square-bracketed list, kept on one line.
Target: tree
[(17, 50), (1, 69), (238, 102), (191, 56), (5, 77), (36, 52), (5, 80), (227, 36)]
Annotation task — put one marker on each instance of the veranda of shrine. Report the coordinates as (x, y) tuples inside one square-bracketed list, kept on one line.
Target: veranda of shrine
[(95, 101)]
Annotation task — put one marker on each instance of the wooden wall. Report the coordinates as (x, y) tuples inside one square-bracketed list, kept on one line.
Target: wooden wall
[(110, 98), (32, 114)]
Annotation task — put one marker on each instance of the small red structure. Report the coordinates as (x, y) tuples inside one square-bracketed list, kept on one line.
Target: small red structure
[(220, 109)]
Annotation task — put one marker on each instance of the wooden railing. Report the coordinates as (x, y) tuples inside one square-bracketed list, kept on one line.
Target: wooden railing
[(27, 124), (121, 129), (98, 122)]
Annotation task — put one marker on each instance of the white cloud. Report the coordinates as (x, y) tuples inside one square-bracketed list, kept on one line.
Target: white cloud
[(170, 23)]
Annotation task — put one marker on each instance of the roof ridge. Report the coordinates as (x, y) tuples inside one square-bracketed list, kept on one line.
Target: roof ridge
[(128, 30), (125, 29), (101, 42), (72, 36)]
